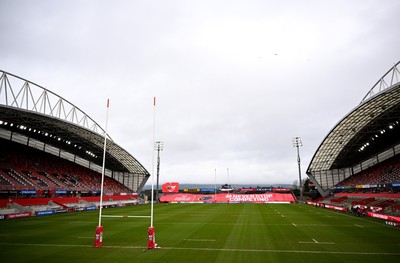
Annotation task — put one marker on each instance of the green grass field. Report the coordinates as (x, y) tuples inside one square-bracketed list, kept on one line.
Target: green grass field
[(203, 233)]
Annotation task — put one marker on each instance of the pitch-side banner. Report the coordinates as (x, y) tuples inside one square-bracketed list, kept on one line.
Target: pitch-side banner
[(384, 217), (229, 198), (170, 188)]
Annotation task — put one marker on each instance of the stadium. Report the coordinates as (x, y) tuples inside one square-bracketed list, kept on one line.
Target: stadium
[(51, 162)]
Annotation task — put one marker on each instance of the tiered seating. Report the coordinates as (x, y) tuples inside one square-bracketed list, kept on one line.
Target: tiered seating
[(15, 181), (339, 200), (24, 168), (387, 203), (383, 173), (383, 203), (365, 202), (4, 181), (395, 209), (373, 188)]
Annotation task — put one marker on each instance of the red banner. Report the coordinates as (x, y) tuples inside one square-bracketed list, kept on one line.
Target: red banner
[(390, 218), (18, 215), (229, 198), (170, 188), (384, 217)]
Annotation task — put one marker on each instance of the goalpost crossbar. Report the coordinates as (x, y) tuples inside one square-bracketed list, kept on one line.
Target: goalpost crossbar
[(119, 216)]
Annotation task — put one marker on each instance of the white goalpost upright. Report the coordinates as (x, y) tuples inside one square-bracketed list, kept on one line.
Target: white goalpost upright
[(98, 241), (151, 242), (152, 176)]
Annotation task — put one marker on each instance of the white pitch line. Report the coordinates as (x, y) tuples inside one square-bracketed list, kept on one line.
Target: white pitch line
[(44, 245), (282, 216), (359, 226), (316, 242), (218, 249), (81, 222), (294, 224)]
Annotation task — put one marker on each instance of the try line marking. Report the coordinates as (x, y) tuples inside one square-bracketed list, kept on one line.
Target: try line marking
[(215, 249), (201, 240), (316, 242)]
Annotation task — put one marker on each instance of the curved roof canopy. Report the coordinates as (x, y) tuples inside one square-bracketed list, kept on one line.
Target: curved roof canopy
[(365, 136), (41, 118)]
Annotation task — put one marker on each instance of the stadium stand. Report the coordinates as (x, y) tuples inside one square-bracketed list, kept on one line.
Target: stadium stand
[(47, 122), (357, 166), (361, 152), (385, 173), (22, 168), (50, 155)]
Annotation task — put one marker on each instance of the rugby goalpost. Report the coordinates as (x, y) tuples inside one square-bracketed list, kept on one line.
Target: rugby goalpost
[(98, 242)]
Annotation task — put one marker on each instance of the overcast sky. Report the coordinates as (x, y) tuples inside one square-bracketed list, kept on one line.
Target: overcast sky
[(235, 81)]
